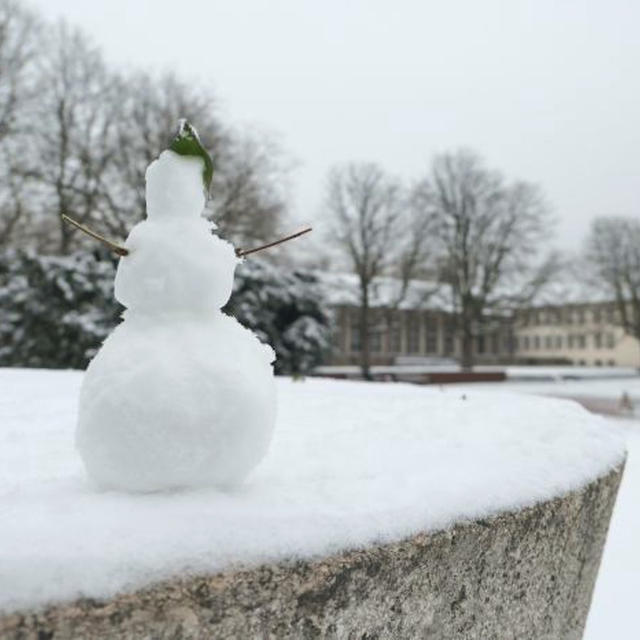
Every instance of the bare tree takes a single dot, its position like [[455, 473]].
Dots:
[[148, 110], [489, 233], [373, 227], [76, 138], [249, 189], [73, 141], [613, 255], [246, 200], [19, 30]]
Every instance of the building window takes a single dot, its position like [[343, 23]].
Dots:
[[495, 343], [525, 343], [597, 340], [548, 342], [580, 316], [375, 340], [431, 335], [568, 316], [610, 341], [394, 333], [510, 343], [570, 341], [480, 344], [449, 342], [582, 341], [413, 334], [597, 315], [536, 342], [395, 336], [355, 338], [558, 342]]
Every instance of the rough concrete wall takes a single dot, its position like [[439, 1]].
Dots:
[[520, 575]]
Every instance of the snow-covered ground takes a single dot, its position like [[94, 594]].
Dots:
[[520, 373], [614, 609], [351, 463], [609, 388]]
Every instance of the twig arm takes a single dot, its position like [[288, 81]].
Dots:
[[241, 253], [116, 248], [121, 251]]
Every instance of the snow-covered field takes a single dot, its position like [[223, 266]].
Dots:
[[351, 463], [614, 609], [538, 373], [608, 388]]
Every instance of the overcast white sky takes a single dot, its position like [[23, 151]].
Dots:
[[546, 90]]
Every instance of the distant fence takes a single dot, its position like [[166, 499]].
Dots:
[[434, 377]]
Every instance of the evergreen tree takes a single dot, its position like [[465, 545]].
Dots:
[[285, 308], [57, 310]]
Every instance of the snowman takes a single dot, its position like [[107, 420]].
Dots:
[[180, 394]]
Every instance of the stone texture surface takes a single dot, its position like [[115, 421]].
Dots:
[[524, 575]]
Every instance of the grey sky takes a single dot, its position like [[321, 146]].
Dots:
[[547, 91]]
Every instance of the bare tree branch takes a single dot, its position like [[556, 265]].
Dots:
[[116, 248], [489, 233], [612, 256], [379, 232], [241, 253]]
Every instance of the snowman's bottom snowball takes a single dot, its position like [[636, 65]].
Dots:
[[178, 402]]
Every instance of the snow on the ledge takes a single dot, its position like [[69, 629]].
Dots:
[[351, 463]]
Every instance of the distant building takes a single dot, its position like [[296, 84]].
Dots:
[[576, 333], [417, 326], [420, 327]]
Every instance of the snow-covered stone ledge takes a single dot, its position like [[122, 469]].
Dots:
[[384, 511], [523, 574]]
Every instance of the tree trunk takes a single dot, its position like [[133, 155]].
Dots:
[[365, 352], [466, 356], [65, 238], [466, 360]]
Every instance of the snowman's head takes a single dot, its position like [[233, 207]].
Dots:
[[174, 186]]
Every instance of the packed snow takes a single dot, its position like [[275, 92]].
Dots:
[[350, 464], [179, 395]]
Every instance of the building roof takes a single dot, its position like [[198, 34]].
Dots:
[[343, 289], [569, 290]]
